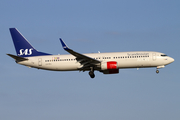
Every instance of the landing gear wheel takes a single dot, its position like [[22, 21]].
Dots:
[[91, 72], [92, 75], [157, 71]]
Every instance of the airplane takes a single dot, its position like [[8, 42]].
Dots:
[[107, 63]]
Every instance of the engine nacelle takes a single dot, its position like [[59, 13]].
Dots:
[[113, 71], [110, 67]]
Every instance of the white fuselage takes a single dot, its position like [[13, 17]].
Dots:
[[107, 63], [136, 59]]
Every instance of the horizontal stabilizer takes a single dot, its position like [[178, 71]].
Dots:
[[17, 58]]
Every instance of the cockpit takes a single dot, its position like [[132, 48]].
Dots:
[[163, 55]]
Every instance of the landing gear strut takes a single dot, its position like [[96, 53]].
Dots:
[[157, 71], [91, 73]]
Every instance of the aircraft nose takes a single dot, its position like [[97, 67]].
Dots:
[[171, 60]]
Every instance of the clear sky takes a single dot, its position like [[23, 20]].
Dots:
[[89, 27]]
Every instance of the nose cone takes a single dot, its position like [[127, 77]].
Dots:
[[171, 60], [168, 60]]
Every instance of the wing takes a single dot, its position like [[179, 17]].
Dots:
[[84, 60]]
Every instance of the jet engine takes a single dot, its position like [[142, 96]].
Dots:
[[110, 67]]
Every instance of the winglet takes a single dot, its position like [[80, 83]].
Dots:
[[64, 45]]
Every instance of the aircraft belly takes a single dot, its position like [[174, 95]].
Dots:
[[68, 67], [64, 66]]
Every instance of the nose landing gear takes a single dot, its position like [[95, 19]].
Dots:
[[157, 71]]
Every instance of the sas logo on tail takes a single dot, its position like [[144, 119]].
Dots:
[[25, 51]]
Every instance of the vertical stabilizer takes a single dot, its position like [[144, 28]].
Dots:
[[22, 46]]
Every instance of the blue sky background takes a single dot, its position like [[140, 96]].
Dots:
[[89, 27]]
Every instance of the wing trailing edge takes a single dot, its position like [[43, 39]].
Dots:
[[84, 60]]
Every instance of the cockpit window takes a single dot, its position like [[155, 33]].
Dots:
[[163, 55]]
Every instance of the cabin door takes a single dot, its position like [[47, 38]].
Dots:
[[154, 56], [40, 61]]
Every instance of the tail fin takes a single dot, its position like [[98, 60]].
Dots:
[[22, 46]]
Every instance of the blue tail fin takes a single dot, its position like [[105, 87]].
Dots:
[[22, 46]]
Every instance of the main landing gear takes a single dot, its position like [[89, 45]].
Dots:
[[157, 71], [91, 72]]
